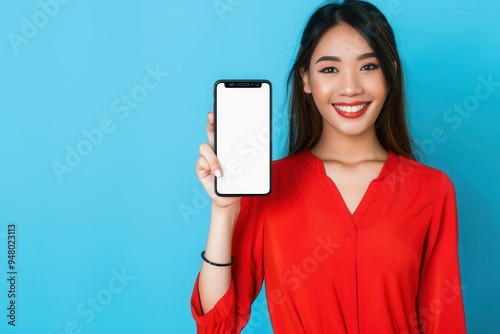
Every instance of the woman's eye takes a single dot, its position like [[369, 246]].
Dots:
[[329, 70], [370, 67]]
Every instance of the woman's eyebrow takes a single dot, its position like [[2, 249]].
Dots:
[[335, 58]]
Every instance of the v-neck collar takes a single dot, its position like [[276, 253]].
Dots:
[[375, 187]]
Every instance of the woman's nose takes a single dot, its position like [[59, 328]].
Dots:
[[350, 85]]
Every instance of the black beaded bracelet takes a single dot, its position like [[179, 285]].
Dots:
[[216, 264]]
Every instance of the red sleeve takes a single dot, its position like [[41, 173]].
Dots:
[[232, 311], [439, 305]]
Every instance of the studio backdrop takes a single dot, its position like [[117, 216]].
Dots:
[[103, 106]]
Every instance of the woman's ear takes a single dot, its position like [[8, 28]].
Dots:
[[305, 81]]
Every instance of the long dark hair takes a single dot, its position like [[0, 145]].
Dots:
[[306, 121]]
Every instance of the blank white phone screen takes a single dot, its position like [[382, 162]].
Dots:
[[243, 137]]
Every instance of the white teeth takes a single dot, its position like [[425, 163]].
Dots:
[[351, 109]]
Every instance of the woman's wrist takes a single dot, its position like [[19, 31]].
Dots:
[[225, 213]]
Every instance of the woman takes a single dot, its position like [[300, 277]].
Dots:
[[356, 236]]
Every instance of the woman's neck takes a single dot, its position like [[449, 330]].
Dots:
[[336, 146]]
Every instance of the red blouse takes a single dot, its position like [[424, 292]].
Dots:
[[390, 267]]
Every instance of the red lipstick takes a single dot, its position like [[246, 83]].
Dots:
[[351, 110]]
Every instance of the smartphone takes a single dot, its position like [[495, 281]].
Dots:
[[243, 110]]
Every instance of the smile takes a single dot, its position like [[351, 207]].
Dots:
[[351, 110]]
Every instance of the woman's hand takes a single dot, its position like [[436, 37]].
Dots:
[[208, 166]]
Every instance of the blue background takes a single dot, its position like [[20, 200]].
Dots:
[[133, 207]]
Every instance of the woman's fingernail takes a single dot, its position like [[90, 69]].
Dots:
[[217, 173]]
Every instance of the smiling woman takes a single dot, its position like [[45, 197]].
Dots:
[[371, 39], [356, 237]]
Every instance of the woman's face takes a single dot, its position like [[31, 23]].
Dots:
[[346, 82]]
